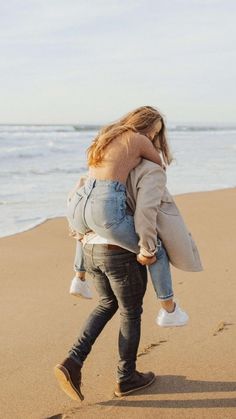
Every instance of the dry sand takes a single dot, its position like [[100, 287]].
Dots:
[[195, 365]]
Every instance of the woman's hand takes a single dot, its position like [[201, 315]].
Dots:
[[75, 234], [146, 260]]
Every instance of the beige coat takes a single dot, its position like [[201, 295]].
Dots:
[[156, 214]]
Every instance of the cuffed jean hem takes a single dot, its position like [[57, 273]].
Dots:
[[169, 297], [79, 270]]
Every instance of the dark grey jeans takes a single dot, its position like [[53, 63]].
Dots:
[[121, 283]]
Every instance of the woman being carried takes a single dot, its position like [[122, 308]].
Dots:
[[100, 205]]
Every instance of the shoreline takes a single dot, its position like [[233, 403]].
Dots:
[[64, 216]]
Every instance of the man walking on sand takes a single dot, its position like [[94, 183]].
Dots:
[[121, 284]]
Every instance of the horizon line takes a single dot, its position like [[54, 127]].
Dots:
[[179, 123]]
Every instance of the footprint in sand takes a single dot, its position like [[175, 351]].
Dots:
[[148, 348], [67, 415], [220, 327]]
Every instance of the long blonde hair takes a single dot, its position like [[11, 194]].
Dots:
[[140, 120]]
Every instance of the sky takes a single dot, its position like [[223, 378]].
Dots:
[[91, 61]]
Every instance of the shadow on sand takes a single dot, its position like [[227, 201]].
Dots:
[[177, 384], [166, 384]]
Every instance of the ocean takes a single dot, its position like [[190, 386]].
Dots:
[[41, 163]]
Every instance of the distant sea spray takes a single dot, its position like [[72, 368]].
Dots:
[[41, 163]]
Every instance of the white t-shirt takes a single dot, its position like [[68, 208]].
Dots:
[[93, 238]]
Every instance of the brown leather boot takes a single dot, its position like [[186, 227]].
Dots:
[[136, 382], [68, 375]]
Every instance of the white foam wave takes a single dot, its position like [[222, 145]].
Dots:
[[21, 229]]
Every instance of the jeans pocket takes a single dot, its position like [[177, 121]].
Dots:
[[127, 281], [105, 211], [118, 274]]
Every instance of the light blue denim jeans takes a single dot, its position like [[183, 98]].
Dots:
[[79, 258], [100, 206]]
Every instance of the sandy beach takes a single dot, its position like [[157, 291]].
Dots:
[[195, 365]]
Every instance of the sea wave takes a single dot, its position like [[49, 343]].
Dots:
[[43, 172], [21, 152], [19, 155], [87, 127], [57, 170], [49, 129], [6, 129], [199, 128], [36, 166], [29, 226]]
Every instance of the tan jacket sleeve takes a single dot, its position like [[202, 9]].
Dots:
[[145, 187]]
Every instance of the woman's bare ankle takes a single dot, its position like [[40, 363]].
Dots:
[[80, 275], [168, 305]]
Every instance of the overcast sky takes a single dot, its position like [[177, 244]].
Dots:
[[91, 61]]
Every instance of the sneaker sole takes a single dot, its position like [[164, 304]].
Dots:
[[135, 389], [64, 380], [80, 296], [173, 325]]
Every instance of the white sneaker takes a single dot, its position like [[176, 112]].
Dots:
[[80, 288], [177, 318]]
